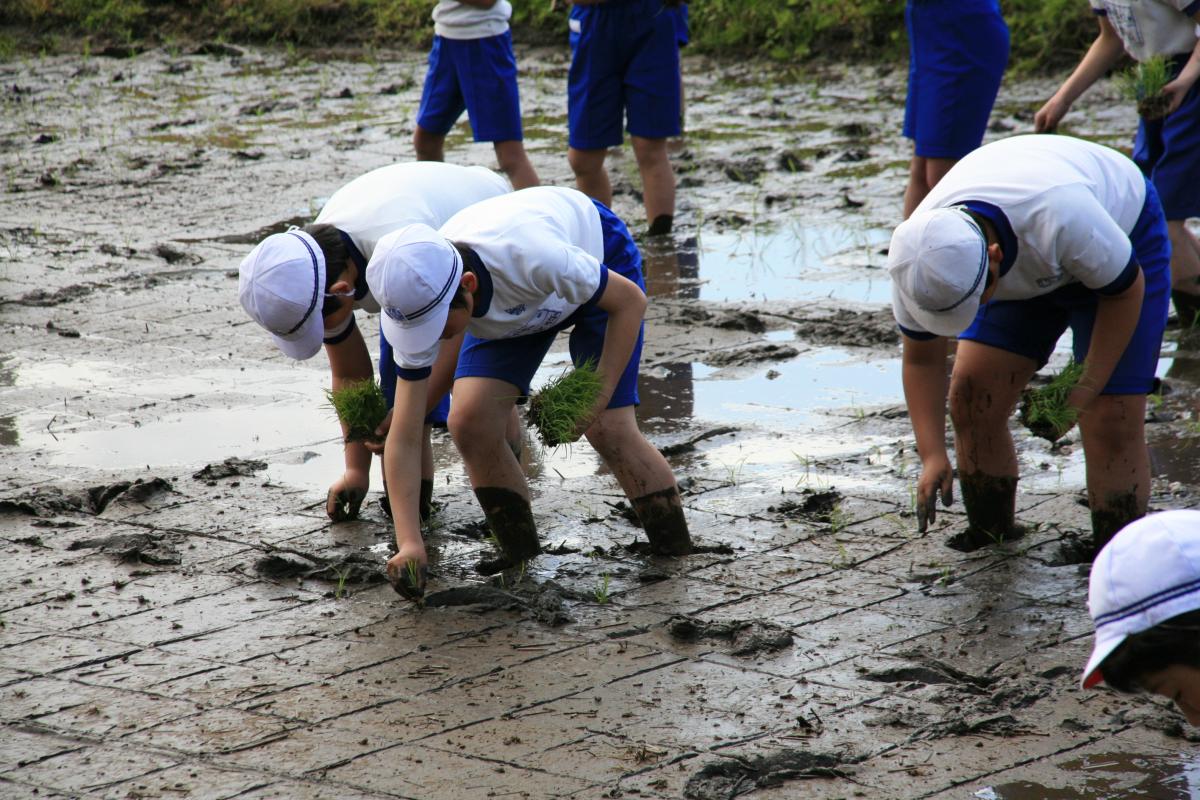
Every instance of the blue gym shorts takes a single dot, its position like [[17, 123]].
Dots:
[[1168, 151], [625, 64], [680, 13], [479, 75], [958, 50], [516, 360], [1032, 327], [387, 382]]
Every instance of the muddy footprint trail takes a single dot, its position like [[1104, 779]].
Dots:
[[180, 617]]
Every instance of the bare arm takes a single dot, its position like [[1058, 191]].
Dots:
[[626, 307], [1102, 56], [923, 371], [349, 362], [402, 470], [1116, 318]]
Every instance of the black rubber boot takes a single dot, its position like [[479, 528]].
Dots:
[[425, 503], [1187, 308], [661, 225], [661, 515], [511, 521], [1119, 509], [991, 503]]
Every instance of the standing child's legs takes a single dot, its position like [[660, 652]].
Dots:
[[429, 146], [591, 177], [645, 477], [514, 163], [923, 174], [658, 182], [1185, 273], [984, 390]]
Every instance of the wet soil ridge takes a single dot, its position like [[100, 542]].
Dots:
[[745, 637], [41, 298], [229, 468], [689, 444], [544, 602], [840, 326], [928, 671], [155, 549], [814, 505], [52, 501], [751, 354], [345, 568], [724, 780]]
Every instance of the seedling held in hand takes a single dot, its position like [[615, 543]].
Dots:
[[564, 403], [361, 407]]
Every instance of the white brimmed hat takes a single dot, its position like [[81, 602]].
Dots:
[[413, 273], [938, 263], [281, 285], [1147, 574]]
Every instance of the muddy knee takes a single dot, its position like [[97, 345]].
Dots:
[[661, 515]]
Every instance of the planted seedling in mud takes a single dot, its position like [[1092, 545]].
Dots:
[[342, 575], [360, 406], [563, 403], [1045, 411], [601, 591], [1144, 85]]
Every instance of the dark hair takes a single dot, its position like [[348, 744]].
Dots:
[[1175, 641], [459, 300], [329, 239]]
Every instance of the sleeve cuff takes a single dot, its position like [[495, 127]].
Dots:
[[1124, 280], [1192, 8], [419, 374], [920, 336], [595, 298], [342, 335]]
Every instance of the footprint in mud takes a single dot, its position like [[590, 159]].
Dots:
[[745, 637]]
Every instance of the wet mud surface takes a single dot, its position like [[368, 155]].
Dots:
[[181, 619]]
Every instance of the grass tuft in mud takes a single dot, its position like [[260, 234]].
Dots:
[[563, 403], [1045, 412], [1143, 83], [360, 406]]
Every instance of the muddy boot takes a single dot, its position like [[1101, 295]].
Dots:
[[1187, 308], [661, 225], [511, 521], [661, 515], [991, 503], [1119, 509]]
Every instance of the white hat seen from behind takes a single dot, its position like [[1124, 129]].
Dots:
[[938, 263], [281, 284], [413, 273]]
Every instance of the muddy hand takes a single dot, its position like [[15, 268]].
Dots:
[[936, 479], [376, 447], [344, 501], [407, 576]]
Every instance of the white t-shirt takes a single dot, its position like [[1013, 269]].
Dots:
[[455, 20], [1071, 204], [373, 205], [543, 250], [1151, 27]]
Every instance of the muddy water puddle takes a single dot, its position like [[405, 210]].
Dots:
[[1111, 776]]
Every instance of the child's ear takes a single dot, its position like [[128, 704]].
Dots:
[[469, 282], [341, 287]]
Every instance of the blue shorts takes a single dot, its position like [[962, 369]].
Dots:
[[625, 64], [387, 382], [516, 360], [680, 14], [479, 75], [1032, 327], [1168, 151], [958, 50]]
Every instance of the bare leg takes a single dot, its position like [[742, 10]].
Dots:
[[515, 164], [923, 175], [429, 146], [658, 182], [1185, 272], [479, 416], [645, 477], [590, 176], [1118, 462], [984, 389]]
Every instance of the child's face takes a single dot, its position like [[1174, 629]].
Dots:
[[456, 322], [1181, 684]]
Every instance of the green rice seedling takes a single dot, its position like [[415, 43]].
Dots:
[[342, 574], [1143, 84], [562, 404], [360, 406], [1045, 411], [601, 591]]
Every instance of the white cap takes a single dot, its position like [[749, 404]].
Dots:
[[413, 273], [938, 261], [1147, 574], [281, 285]]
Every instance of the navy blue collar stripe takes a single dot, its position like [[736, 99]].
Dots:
[[435, 302], [312, 304], [1148, 602], [983, 263]]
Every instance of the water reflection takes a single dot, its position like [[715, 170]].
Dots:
[[672, 270], [1111, 776]]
